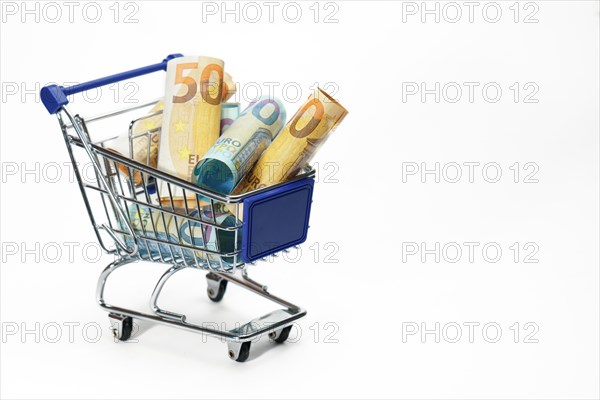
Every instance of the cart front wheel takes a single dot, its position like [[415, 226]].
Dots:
[[239, 351]]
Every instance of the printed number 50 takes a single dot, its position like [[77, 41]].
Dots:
[[192, 85]]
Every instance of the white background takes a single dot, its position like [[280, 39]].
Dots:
[[351, 342]]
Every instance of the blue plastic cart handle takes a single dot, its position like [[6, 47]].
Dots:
[[54, 97]]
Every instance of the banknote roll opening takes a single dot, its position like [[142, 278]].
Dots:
[[215, 175]]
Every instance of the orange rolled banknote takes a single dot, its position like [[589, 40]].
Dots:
[[296, 144]]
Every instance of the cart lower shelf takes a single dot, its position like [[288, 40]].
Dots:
[[277, 324]]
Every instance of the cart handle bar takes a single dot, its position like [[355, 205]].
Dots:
[[54, 97]]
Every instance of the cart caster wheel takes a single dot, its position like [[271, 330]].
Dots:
[[121, 326], [281, 335], [216, 287], [239, 351]]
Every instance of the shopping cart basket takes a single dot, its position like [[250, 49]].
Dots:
[[134, 221]]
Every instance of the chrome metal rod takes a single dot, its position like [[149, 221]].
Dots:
[[89, 148], [104, 277], [156, 292], [253, 287]]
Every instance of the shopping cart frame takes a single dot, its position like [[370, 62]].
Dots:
[[129, 242]]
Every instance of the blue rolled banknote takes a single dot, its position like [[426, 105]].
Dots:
[[209, 237], [178, 230], [236, 151]]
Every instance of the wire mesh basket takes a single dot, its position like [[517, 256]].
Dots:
[[200, 229]]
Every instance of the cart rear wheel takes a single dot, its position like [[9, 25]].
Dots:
[[121, 326], [216, 287], [282, 335], [240, 354]]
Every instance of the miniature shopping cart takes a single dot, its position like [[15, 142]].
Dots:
[[178, 233]]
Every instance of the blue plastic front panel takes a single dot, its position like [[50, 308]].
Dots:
[[276, 219]]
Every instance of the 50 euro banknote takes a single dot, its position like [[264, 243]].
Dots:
[[191, 117]]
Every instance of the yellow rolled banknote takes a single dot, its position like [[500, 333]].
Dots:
[[296, 144], [192, 113]]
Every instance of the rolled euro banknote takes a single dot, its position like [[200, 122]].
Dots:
[[192, 115], [236, 151], [296, 144], [149, 223], [210, 237]]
